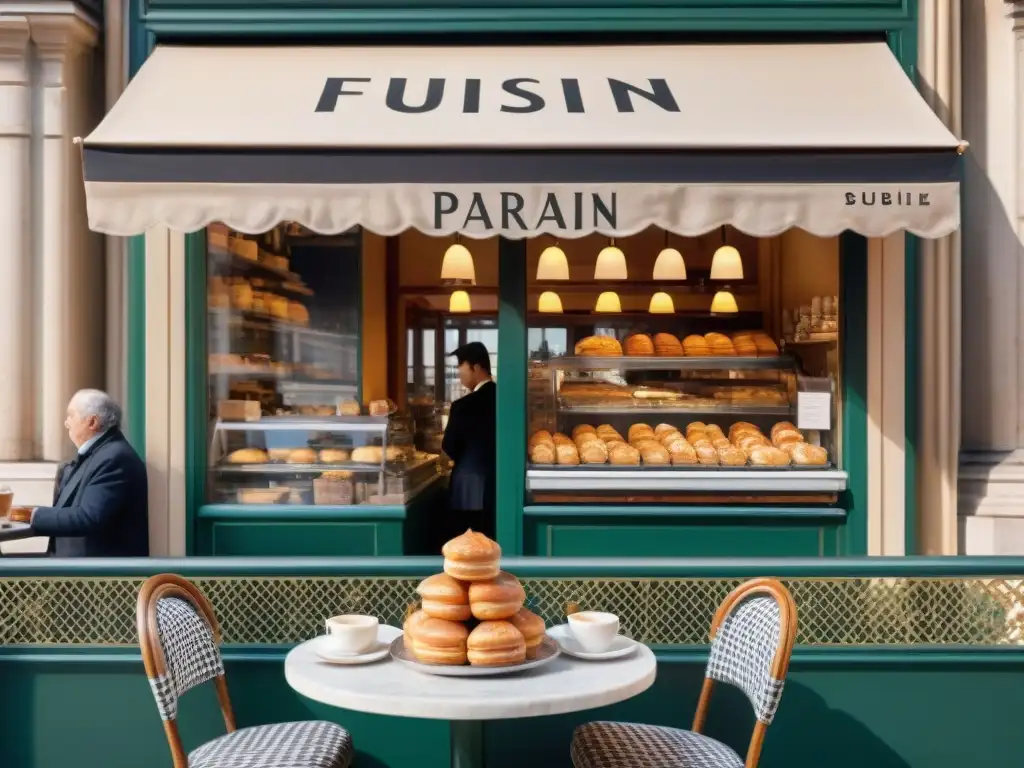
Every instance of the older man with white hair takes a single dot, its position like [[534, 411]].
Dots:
[[100, 500]]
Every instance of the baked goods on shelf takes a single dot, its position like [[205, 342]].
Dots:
[[639, 345], [247, 456], [497, 598], [382, 407], [444, 597], [720, 345], [769, 456], [696, 345], [622, 454], [302, 456], [594, 390], [567, 454], [667, 345], [349, 408], [471, 557], [333, 455], [273, 495], [805, 454], [495, 643], [598, 346]]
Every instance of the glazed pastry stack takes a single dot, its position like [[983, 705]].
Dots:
[[473, 612]]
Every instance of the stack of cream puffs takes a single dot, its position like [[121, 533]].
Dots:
[[473, 612]]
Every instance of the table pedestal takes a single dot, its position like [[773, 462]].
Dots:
[[467, 743]]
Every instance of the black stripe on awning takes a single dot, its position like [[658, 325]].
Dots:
[[424, 166]]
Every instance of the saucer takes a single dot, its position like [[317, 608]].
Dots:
[[621, 645], [380, 650]]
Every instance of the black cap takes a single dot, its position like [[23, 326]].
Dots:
[[474, 353]]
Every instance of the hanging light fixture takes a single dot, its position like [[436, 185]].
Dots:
[[552, 265], [459, 304], [726, 264], [661, 304], [669, 265], [724, 303], [549, 302], [457, 266], [608, 303], [611, 263]]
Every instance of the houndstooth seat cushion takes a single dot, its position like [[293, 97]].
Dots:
[[310, 744], [631, 745]]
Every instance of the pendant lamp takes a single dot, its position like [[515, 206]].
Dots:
[[726, 264], [459, 303], [724, 303], [669, 265], [457, 265], [661, 304], [552, 265], [611, 263], [608, 303], [549, 302]]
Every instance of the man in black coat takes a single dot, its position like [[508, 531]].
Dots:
[[469, 441], [101, 499]]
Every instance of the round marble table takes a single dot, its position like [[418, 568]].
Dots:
[[391, 688]]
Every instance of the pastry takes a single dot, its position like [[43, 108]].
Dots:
[[497, 598], [741, 426], [594, 452], [786, 436], [696, 346], [382, 407], [653, 453], [607, 429], [444, 598], [696, 426], [436, 641], [247, 456], [368, 454], [720, 442], [681, 452], [663, 429], [667, 437], [731, 456], [750, 443], [640, 345], [767, 456], [707, 454], [566, 454], [714, 431], [350, 408], [639, 430], [302, 456], [580, 429], [805, 454], [783, 426], [542, 436], [531, 626], [333, 455], [560, 439], [471, 557], [598, 346], [667, 345], [543, 453], [495, 643], [624, 455]]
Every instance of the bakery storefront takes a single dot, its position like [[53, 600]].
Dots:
[[672, 273]]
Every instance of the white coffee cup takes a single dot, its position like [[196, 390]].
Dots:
[[351, 634], [595, 631]]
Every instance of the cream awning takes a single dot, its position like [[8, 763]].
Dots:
[[519, 141]]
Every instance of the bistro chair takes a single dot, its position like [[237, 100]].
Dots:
[[180, 642], [752, 638]]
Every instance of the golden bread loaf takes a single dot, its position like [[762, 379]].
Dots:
[[639, 430], [543, 453], [667, 345], [599, 346], [653, 452], [707, 454], [624, 455], [696, 346], [805, 454], [580, 429], [767, 456], [639, 345], [333, 455], [247, 456], [497, 598], [567, 454], [680, 451], [731, 456]]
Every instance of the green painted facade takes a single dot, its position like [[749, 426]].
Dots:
[[561, 531]]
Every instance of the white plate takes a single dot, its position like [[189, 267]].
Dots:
[[621, 645], [548, 651], [385, 635]]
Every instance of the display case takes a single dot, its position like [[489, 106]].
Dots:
[[320, 461], [730, 402]]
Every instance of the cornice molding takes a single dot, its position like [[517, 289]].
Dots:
[[89, 11], [14, 36], [59, 36]]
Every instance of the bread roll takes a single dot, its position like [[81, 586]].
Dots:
[[436, 641], [640, 345], [696, 346], [696, 426], [495, 644], [720, 345], [680, 451], [561, 439], [741, 426], [594, 452], [382, 407], [744, 345], [247, 456], [599, 346], [750, 443], [585, 440], [368, 454], [707, 454], [350, 408], [765, 346], [769, 457], [667, 345], [543, 453], [636, 431], [580, 429], [567, 454], [668, 437], [333, 455], [471, 557], [731, 456], [531, 626], [279, 454], [608, 432], [653, 453], [663, 429], [783, 426], [497, 598], [805, 454], [624, 455], [714, 431], [541, 436], [786, 436], [444, 598]]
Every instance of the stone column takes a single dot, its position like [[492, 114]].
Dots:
[[16, 321], [73, 286]]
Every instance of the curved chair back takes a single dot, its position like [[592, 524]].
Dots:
[[180, 639], [752, 637]]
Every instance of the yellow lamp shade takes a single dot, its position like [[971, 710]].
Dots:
[[552, 265], [724, 303], [726, 264], [457, 265], [549, 302], [669, 265], [661, 304], [459, 303], [608, 302], [611, 264]]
